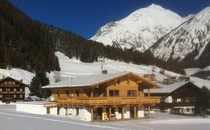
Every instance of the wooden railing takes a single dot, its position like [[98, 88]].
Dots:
[[12, 92], [108, 101], [174, 104]]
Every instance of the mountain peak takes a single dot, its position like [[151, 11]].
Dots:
[[189, 40], [154, 6], [140, 30]]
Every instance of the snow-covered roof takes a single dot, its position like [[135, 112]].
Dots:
[[91, 80], [19, 81], [168, 88], [85, 80]]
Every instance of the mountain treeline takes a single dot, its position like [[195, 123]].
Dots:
[[23, 42], [30, 45]]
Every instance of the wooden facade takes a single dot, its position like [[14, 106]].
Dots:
[[180, 100], [104, 97], [11, 90]]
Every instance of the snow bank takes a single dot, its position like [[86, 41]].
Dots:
[[182, 121], [32, 107]]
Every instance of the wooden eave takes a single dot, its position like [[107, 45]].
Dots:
[[2, 80]]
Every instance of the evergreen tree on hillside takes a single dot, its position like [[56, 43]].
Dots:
[[37, 82]]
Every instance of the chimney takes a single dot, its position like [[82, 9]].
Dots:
[[104, 72]]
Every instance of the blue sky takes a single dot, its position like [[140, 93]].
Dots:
[[85, 17]]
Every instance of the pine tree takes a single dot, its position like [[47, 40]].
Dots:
[[39, 80]]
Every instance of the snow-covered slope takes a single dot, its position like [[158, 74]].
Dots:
[[192, 36], [73, 67], [139, 30]]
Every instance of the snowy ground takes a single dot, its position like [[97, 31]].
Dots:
[[12, 120]]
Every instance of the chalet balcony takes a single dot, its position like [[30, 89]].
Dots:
[[12, 92], [96, 101], [175, 104]]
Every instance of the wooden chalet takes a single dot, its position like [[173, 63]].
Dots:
[[177, 98], [102, 97], [11, 90]]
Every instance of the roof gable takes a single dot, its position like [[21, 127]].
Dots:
[[12, 79], [93, 80], [171, 87]]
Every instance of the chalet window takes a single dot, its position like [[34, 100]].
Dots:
[[187, 100], [9, 82], [14, 89], [77, 93], [105, 93], [21, 96], [7, 89], [13, 82], [0, 89], [0, 96], [162, 100], [58, 93], [114, 93], [96, 92], [131, 93], [5, 82], [14, 96], [120, 110], [21, 89], [67, 93]]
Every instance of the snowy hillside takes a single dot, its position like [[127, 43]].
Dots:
[[193, 36], [73, 67], [139, 30]]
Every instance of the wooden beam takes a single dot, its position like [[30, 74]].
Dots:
[[91, 92], [91, 111], [110, 113], [139, 81], [148, 92], [123, 111], [149, 114], [134, 111]]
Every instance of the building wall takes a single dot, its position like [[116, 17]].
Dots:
[[103, 98], [140, 111], [127, 112], [121, 84], [53, 110], [11, 90]]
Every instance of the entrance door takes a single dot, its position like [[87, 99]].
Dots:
[[48, 110], [77, 111], [98, 113]]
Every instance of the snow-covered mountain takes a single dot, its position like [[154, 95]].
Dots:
[[139, 30], [191, 37]]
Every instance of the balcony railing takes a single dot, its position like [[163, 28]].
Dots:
[[93, 101], [175, 104], [12, 92]]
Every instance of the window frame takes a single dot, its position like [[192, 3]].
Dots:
[[114, 93], [131, 93]]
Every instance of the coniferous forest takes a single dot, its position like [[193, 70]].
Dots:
[[30, 45]]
